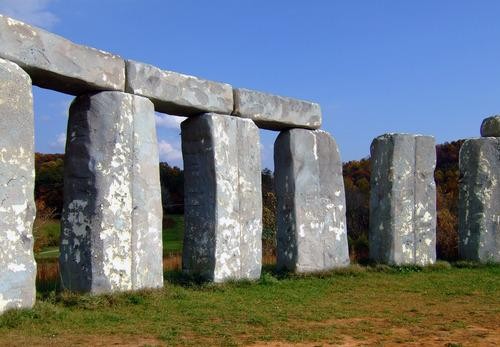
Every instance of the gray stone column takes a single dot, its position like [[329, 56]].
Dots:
[[403, 199], [479, 197], [312, 234], [223, 199], [111, 224], [17, 177]]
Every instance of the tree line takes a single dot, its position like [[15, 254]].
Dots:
[[49, 197]]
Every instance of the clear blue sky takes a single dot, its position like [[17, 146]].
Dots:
[[426, 66]]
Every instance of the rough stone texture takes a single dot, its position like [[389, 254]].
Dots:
[[276, 112], [479, 201], [491, 127], [223, 201], [312, 234], [17, 177], [56, 63], [178, 94], [403, 200], [111, 224]]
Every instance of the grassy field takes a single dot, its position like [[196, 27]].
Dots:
[[441, 306]]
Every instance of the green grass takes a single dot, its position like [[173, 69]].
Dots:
[[172, 238], [48, 253], [371, 305]]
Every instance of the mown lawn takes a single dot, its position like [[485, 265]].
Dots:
[[442, 306]]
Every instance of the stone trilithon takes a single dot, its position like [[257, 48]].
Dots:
[[17, 178], [479, 198], [312, 234], [403, 200], [111, 223], [223, 199]]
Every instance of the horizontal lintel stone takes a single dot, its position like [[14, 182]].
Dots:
[[56, 63], [276, 112], [176, 93]]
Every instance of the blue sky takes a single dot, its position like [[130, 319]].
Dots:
[[425, 66]]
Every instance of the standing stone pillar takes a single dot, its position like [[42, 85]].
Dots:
[[479, 197], [403, 199], [111, 224], [223, 199], [17, 177], [311, 215]]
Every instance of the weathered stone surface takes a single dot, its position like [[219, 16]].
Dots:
[[178, 94], [56, 63], [479, 200], [223, 202], [17, 177], [491, 127], [111, 225], [312, 234], [147, 249], [276, 112], [403, 199]]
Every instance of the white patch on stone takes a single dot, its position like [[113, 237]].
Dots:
[[16, 267], [427, 217]]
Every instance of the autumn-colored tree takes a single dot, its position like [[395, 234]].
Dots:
[[447, 177], [49, 174], [172, 189]]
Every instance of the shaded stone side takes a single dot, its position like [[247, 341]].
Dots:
[[56, 63], [178, 94], [403, 199], [223, 202], [479, 200], [17, 177], [111, 223], [312, 234], [276, 112]]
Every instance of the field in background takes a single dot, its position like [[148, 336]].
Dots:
[[437, 306], [47, 257]]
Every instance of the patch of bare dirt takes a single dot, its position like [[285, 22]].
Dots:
[[401, 336], [87, 340]]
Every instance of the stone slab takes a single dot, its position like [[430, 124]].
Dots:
[[147, 215], [223, 199], [178, 94], [276, 112], [491, 127], [17, 178], [111, 223], [479, 200], [311, 215], [59, 64], [403, 200]]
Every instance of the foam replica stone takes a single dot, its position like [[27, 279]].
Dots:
[[178, 94], [491, 127], [312, 234], [403, 200], [223, 201], [276, 112], [479, 200], [17, 177], [56, 63], [111, 224]]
